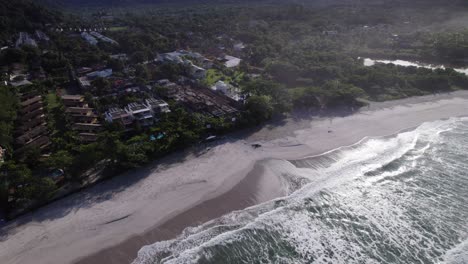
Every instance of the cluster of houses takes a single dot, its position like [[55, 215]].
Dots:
[[94, 37], [20, 76], [86, 75], [145, 113], [197, 63], [31, 129], [85, 120], [201, 100], [31, 40]]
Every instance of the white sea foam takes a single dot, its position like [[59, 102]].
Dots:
[[340, 215], [371, 62], [457, 255]]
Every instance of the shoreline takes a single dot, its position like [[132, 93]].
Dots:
[[250, 191], [145, 204]]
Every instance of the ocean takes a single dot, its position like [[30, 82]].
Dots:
[[395, 199]]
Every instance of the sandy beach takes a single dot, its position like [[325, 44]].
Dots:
[[113, 219]]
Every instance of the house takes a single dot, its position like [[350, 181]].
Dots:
[[84, 82], [2, 154], [166, 83], [20, 83], [90, 39], [87, 127], [197, 72], [197, 58], [173, 57], [31, 130], [141, 113], [73, 100], [118, 115], [85, 121], [207, 63], [32, 134], [228, 90], [41, 36], [221, 86], [203, 100], [239, 47], [82, 114], [25, 39], [185, 57], [84, 70], [231, 62], [99, 74], [158, 106], [31, 124], [88, 137], [120, 56], [103, 38]]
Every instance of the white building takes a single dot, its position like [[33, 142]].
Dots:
[[2, 154], [118, 115], [103, 38], [158, 106], [174, 57], [25, 39], [141, 113], [100, 74], [228, 90], [41, 35], [197, 72], [90, 39], [84, 82], [239, 46], [231, 61], [120, 56]]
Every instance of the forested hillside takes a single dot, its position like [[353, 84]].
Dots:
[[23, 15]]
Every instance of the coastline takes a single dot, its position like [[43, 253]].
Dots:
[[152, 204], [254, 189]]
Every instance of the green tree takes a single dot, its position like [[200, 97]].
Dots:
[[10, 56], [116, 65], [283, 72], [102, 85], [259, 108], [279, 97], [61, 159], [141, 71], [138, 57]]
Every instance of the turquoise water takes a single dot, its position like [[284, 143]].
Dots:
[[397, 199]]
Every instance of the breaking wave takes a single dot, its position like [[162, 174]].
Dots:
[[395, 199]]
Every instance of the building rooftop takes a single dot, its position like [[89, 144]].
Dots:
[[231, 61], [137, 108], [31, 101], [2, 154], [20, 83], [73, 97], [79, 110], [90, 39], [103, 38]]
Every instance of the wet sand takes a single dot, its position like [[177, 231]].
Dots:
[[255, 188], [112, 220]]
